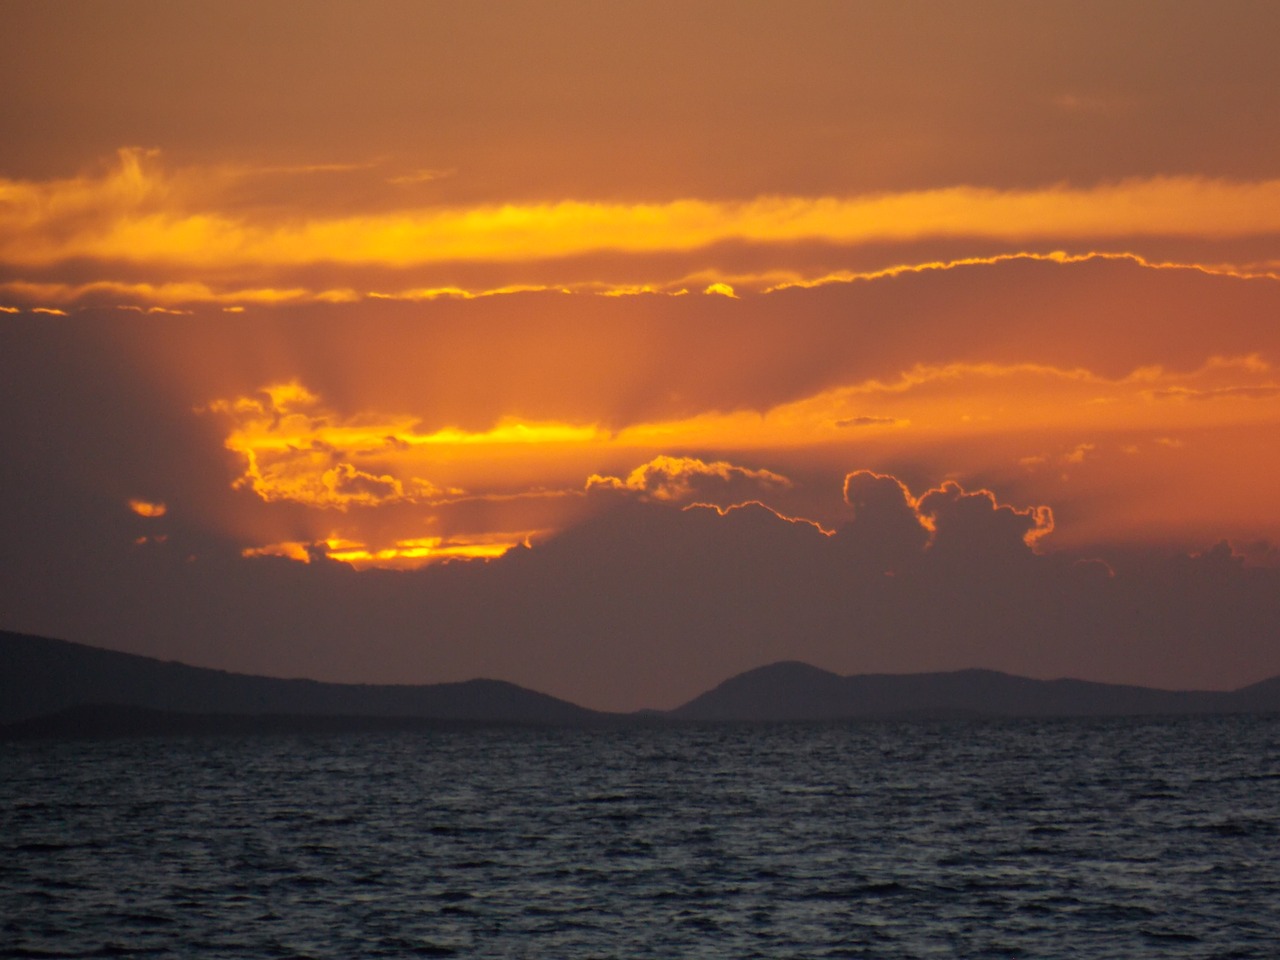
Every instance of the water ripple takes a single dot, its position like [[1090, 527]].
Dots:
[[1104, 839]]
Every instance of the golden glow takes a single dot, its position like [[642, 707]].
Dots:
[[179, 229], [417, 552], [168, 293], [138, 213], [163, 297], [408, 554], [1055, 256], [760, 282], [290, 549], [146, 508], [971, 399], [1036, 423], [294, 449]]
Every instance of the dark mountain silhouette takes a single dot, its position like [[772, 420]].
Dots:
[[57, 688], [797, 691], [40, 676]]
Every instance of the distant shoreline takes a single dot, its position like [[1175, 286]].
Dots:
[[54, 688]]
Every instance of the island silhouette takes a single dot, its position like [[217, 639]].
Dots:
[[52, 688]]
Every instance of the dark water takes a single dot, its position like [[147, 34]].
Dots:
[[1120, 838]]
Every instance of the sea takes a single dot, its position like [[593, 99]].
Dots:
[[1125, 838]]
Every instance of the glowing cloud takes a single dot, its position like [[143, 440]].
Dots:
[[963, 522], [392, 474], [684, 478], [409, 554], [138, 213], [147, 508], [180, 228], [294, 449], [894, 529]]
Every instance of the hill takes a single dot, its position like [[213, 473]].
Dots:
[[57, 688], [797, 691], [40, 676]]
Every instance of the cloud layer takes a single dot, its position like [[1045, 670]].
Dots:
[[647, 603], [139, 236]]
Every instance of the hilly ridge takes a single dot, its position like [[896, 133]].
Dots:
[[58, 688], [40, 676], [798, 691]]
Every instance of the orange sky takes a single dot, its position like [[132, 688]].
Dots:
[[427, 309]]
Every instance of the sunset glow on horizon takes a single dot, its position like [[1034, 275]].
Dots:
[[438, 342]]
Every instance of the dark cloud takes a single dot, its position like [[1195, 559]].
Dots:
[[974, 527], [647, 603], [886, 532]]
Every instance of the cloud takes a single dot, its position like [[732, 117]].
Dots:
[[973, 526], [148, 508], [420, 176], [1081, 451], [293, 448], [226, 234], [291, 549], [866, 421], [887, 530], [682, 479], [1261, 392], [296, 285], [408, 554], [602, 385], [137, 211], [896, 531], [647, 603], [346, 485]]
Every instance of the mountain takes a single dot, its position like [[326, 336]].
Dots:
[[797, 691], [40, 677], [57, 688]]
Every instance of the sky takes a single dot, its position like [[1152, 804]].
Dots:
[[614, 349]]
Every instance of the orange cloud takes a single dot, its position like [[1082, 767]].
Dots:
[[984, 422], [726, 282], [138, 213], [289, 549], [410, 554], [147, 508], [407, 554], [183, 228], [782, 281], [681, 478], [294, 449], [928, 401]]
